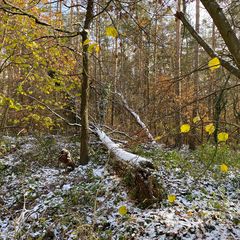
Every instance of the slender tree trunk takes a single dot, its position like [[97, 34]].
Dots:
[[71, 15], [192, 142], [213, 74], [84, 153], [155, 68], [177, 74], [115, 80], [196, 58]]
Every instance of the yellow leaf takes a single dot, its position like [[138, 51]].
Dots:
[[111, 32], [196, 119], [97, 48], [210, 128], [185, 128], [144, 22], [214, 63], [222, 137], [189, 213], [91, 47], [171, 198], [157, 138], [122, 210], [224, 168], [86, 42]]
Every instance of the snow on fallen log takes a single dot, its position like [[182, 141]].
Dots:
[[136, 117], [123, 155], [136, 171]]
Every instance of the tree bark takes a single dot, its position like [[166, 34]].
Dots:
[[225, 29], [196, 58], [177, 75], [234, 70], [192, 143], [84, 152]]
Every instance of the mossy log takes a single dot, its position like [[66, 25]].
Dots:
[[137, 173]]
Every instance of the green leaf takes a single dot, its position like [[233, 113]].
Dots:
[[91, 47], [196, 119]]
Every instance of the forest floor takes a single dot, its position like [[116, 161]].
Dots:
[[39, 200]]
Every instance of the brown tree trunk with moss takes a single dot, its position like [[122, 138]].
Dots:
[[84, 152]]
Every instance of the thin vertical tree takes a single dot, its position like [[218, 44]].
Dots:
[[178, 73], [196, 74], [196, 57], [84, 151]]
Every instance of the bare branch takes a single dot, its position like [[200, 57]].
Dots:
[[52, 111], [232, 69]]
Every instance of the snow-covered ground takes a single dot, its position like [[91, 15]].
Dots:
[[40, 201]]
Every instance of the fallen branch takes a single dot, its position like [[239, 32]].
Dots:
[[136, 117], [121, 154]]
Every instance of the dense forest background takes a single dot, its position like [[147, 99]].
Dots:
[[136, 48]]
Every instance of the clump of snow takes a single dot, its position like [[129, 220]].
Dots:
[[66, 187]]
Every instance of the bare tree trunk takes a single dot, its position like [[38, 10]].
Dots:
[[192, 143], [177, 74], [115, 80], [84, 153], [230, 67], [155, 68], [71, 15], [213, 74], [196, 58], [224, 27]]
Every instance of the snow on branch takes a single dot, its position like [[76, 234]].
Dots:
[[121, 154], [136, 117]]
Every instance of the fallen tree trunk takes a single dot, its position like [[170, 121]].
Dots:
[[136, 171], [137, 118]]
